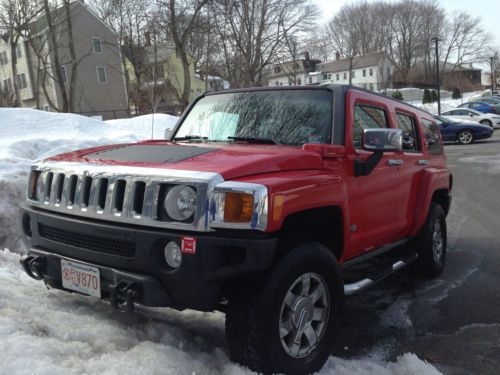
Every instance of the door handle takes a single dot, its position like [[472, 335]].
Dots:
[[395, 162], [422, 162]]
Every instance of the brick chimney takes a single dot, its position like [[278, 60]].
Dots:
[[337, 56], [147, 39]]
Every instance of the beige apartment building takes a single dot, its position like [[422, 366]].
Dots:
[[99, 84]]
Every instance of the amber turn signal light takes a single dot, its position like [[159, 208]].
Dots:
[[238, 207]]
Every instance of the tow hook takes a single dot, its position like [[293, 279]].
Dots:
[[124, 295], [33, 266]]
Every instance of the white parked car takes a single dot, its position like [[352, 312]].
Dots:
[[489, 119]]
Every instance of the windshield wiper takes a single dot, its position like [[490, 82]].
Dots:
[[190, 138], [265, 141]]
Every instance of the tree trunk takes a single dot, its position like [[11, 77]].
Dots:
[[57, 63], [74, 63]]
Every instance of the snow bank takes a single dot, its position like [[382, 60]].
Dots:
[[448, 104], [53, 332], [28, 134], [144, 126]]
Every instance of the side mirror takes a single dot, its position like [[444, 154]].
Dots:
[[383, 140]]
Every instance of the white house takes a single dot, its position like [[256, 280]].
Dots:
[[372, 71]]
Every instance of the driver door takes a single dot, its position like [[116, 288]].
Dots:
[[375, 216]]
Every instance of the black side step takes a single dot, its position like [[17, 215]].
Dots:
[[358, 286]]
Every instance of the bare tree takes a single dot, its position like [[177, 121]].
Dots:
[[179, 22], [252, 31], [16, 15]]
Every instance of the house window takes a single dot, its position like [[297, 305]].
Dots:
[[19, 51], [353, 74], [364, 72], [299, 81], [345, 75], [3, 58], [371, 86], [101, 74], [338, 76], [290, 83], [329, 76], [277, 70], [310, 80], [277, 83], [21, 81], [371, 71], [96, 43], [325, 76], [7, 85], [64, 76]]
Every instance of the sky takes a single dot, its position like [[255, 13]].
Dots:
[[488, 10]]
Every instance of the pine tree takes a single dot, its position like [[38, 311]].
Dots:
[[397, 95], [456, 93], [434, 96], [427, 96]]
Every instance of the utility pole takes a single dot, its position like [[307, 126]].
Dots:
[[492, 75], [436, 40]]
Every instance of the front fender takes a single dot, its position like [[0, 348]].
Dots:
[[433, 179]]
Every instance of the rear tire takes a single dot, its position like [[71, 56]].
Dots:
[[430, 244], [287, 322], [465, 137]]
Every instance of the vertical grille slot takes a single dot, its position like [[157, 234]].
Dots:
[[138, 192], [48, 186], [102, 190], [119, 193], [72, 189], [59, 187], [86, 185]]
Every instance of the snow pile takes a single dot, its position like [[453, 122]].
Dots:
[[27, 135], [53, 332], [144, 126], [448, 104]]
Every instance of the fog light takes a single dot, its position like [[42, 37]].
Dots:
[[173, 254]]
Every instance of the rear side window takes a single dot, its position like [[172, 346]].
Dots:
[[367, 117], [432, 139], [408, 125]]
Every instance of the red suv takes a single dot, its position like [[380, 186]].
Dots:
[[268, 204]]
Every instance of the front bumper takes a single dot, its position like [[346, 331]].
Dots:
[[132, 256]]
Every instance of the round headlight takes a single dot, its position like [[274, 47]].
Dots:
[[180, 202], [173, 254]]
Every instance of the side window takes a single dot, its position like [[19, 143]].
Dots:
[[367, 117], [408, 125], [432, 138]]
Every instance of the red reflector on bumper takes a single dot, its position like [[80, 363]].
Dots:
[[188, 245]]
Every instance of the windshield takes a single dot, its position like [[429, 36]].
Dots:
[[290, 117]]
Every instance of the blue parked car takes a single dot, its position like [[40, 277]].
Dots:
[[464, 132], [480, 106]]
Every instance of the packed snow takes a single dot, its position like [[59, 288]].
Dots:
[[52, 332]]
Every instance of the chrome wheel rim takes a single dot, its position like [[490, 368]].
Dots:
[[304, 315], [437, 241], [465, 137]]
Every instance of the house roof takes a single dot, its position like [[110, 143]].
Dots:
[[362, 61]]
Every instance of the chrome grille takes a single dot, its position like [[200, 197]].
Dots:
[[118, 193]]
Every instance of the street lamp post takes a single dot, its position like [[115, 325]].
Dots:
[[492, 74], [436, 40]]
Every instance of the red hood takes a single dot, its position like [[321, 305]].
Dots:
[[229, 160]]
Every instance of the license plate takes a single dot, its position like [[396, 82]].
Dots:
[[81, 278]]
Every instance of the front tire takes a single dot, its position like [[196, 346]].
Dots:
[[431, 244], [287, 322], [465, 137]]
